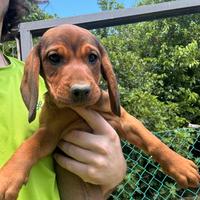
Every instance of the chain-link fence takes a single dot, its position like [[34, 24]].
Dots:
[[145, 179]]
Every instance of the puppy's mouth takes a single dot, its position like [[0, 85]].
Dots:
[[77, 95]]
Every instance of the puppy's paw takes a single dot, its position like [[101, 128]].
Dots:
[[184, 171], [11, 182]]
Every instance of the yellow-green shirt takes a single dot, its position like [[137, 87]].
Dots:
[[14, 129]]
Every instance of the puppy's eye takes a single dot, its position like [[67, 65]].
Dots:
[[54, 58], [92, 58]]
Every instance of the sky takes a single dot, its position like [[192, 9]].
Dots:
[[68, 8]]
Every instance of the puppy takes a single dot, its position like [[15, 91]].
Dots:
[[71, 61]]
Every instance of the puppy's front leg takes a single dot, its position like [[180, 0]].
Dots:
[[184, 171], [16, 171]]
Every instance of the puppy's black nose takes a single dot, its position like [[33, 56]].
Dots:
[[80, 92]]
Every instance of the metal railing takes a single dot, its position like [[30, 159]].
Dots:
[[107, 18]]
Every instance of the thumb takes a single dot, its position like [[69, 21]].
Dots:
[[95, 121]]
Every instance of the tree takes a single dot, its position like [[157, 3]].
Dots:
[[36, 13], [157, 67]]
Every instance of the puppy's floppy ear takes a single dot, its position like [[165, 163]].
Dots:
[[29, 84], [109, 75]]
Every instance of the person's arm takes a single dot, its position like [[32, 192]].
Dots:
[[97, 158]]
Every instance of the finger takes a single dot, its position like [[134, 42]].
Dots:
[[78, 168], [95, 121], [79, 154], [86, 140]]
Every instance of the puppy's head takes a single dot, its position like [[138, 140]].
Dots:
[[71, 60]]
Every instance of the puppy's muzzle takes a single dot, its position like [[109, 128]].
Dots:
[[80, 92]]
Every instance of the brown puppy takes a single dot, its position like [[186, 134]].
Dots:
[[70, 59]]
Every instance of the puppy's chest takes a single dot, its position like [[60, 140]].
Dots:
[[56, 120]]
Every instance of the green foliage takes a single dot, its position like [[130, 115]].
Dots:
[[153, 113], [109, 5], [37, 14], [147, 2], [9, 48], [157, 68]]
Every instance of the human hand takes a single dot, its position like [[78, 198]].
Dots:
[[97, 158]]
